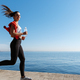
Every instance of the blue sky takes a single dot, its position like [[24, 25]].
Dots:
[[53, 25]]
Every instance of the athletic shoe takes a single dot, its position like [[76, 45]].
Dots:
[[26, 78]]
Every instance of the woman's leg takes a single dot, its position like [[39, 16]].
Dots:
[[14, 53], [22, 60], [7, 62]]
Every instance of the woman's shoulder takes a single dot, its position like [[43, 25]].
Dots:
[[12, 23]]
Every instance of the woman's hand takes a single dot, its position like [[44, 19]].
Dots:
[[25, 33], [23, 38]]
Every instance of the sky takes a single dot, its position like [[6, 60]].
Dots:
[[53, 25]]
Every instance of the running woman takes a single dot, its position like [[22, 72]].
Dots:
[[16, 49]]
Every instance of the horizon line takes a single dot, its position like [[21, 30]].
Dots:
[[44, 51]]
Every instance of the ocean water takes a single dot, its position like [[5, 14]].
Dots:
[[52, 62]]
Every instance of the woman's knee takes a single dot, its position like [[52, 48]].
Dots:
[[23, 60], [13, 62]]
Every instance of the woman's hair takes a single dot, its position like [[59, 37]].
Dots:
[[7, 12]]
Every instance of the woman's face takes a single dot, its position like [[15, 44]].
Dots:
[[17, 16]]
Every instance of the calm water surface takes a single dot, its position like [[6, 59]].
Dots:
[[52, 62]]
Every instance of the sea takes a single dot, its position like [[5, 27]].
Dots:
[[50, 62]]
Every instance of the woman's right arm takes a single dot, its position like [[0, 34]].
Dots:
[[12, 32]]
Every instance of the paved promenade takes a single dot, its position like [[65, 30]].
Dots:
[[15, 75]]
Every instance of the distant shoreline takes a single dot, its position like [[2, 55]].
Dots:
[[44, 51]]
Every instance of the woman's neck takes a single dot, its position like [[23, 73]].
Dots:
[[16, 22]]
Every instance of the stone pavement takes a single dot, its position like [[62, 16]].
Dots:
[[15, 75]]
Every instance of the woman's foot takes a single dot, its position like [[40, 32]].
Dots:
[[26, 78]]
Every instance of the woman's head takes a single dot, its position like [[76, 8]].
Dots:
[[9, 13], [16, 16]]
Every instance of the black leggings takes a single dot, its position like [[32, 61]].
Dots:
[[16, 51]]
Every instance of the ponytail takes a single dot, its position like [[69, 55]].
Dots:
[[7, 12]]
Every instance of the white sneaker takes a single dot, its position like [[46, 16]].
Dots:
[[25, 78]]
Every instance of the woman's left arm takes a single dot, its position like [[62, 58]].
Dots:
[[22, 37]]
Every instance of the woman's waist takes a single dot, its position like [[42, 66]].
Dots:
[[16, 39]]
